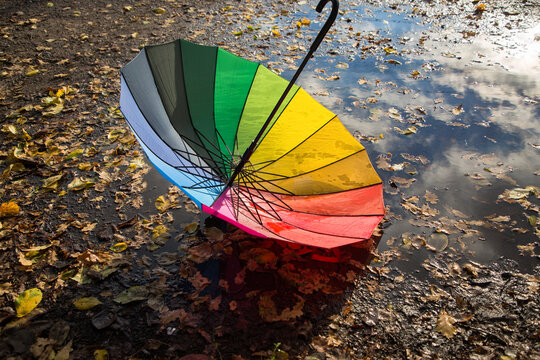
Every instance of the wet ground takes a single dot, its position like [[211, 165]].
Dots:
[[443, 96]]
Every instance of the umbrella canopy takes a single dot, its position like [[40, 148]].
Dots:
[[249, 146]]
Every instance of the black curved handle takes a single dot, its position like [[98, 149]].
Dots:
[[322, 33], [329, 22]]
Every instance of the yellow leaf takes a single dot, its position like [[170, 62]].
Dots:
[[80, 184], [51, 183], [191, 228], [162, 204], [119, 247], [160, 11], [74, 154], [32, 72], [84, 166], [445, 324], [9, 209], [101, 354], [480, 7], [27, 301], [159, 231], [86, 303], [276, 33]]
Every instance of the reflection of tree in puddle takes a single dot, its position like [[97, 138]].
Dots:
[[271, 289]]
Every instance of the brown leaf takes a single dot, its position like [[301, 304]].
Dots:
[[445, 324], [431, 197]]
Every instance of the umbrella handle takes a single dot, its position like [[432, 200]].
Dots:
[[322, 33], [329, 22]]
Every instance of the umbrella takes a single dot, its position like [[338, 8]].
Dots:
[[249, 146]]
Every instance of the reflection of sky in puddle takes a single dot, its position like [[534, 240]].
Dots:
[[498, 91]]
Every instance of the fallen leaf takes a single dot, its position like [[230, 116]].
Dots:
[[63, 353], [79, 184], [445, 324], [51, 183], [437, 242], [9, 209], [471, 270], [134, 293], [101, 354], [431, 197], [458, 109], [27, 301], [119, 247], [86, 303], [162, 204]]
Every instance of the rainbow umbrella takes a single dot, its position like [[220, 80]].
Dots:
[[249, 146]]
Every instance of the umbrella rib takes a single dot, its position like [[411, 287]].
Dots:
[[270, 182], [279, 203], [274, 195], [297, 145], [220, 175], [212, 153], [230, 161], [179, 152], [248, 208], [197, 185], [213, 145], [265, 200], [289, 208], [251, 196], [259, 221]]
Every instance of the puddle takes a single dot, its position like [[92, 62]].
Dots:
[[450, 123]]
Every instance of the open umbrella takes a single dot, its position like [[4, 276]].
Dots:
[[249, 146]]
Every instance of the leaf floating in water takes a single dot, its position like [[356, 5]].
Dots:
[[27, 301], [191, 228], [437, 242], [162, 204], [431, 197], [458, 109]]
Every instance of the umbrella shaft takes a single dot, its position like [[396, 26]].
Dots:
[[322, 33]]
